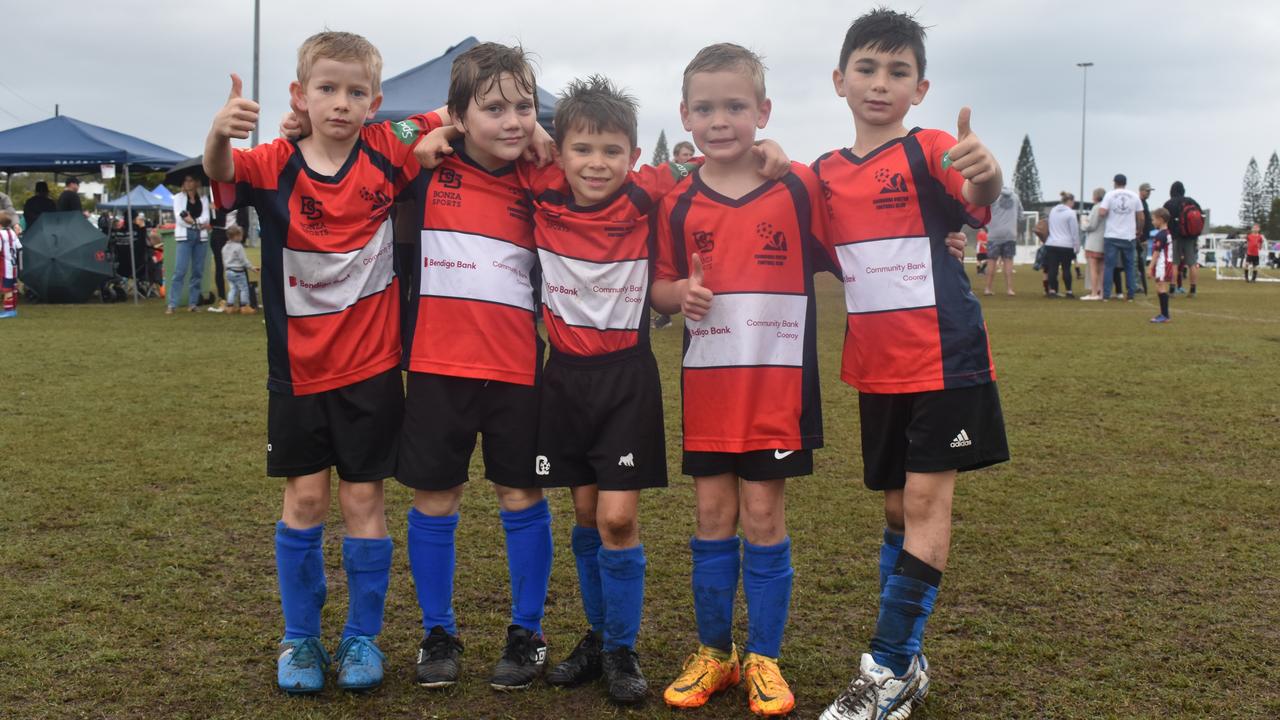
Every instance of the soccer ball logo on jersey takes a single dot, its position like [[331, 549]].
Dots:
[[775, 245], [379, 203], [895, 192]]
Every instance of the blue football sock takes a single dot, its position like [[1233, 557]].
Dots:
[[586, 547], [300, 570], [715, 582], [431, 560], [905, 606], [766, 581], [368, 565], [889, 549], [622, 579], [529, 562]]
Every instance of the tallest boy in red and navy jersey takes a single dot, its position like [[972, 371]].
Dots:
[[916, 345], [332, 336]]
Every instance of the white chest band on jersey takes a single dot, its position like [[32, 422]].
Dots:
[[892, 274], [318, 283], [604, 296], [749, 329], [475, 267]]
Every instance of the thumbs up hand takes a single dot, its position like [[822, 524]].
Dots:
[[239, 116], [697, 297], [974, 162]]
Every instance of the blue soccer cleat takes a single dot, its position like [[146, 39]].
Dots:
[[301, 666], [359, 663], [1160, 319]]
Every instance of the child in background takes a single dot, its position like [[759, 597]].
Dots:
[[1253, 252], [682, 152], [237, 266], [1162, 269], [10, 246], [982, 250]]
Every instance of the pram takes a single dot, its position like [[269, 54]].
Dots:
[[143, 262]]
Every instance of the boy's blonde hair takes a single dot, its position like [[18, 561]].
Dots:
[[723, 57], [343, 47], [235, 233]]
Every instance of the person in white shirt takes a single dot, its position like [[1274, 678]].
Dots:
[[1121, 210], [1062, 244], [191, 213], [1094, 245]]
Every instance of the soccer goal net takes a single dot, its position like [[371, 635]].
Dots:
[[1229, 271]]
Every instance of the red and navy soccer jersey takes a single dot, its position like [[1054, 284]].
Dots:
[[595, 261], [913, 324], [328, 279], [473, 314], [750, 369]]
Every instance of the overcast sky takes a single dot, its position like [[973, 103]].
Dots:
[[1179, 90]]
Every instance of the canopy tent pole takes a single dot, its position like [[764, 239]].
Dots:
[[128, 227]]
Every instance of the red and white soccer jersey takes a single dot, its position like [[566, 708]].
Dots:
[[913, 324], [9, 247], [595, 261], [1254, 244], [1162, 268], [329, 286], [473, 314], [750, 370]]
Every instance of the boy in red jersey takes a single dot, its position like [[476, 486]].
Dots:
[[333, 342], [916, 345], [1253, 251], [736, 253], [473, 353]]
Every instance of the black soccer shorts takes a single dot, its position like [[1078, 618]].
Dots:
[[443, 414], [601, 423], [355, 428], [954, 429]]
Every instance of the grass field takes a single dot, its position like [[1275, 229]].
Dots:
[[1125, 564]]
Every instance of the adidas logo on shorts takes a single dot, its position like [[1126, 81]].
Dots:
[[961, 440]]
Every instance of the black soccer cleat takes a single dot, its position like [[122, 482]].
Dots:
[[627, 685], [439, 659], [522, 660], [582, 665]]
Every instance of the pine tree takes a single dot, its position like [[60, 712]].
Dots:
[[1272, 227], [1271, 181], [661, 155], [1251, 207], [1026, 178]]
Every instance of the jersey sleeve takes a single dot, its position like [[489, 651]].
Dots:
[[256, 169], [396, 141], [668, 265], [959, 210], [657, 181], [818, 243], [539, 179]]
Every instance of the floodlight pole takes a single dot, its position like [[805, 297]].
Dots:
[[1084, 99]]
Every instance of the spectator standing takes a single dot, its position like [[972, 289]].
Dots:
[[1094, 245], [1062, 244], [1148, 231], [238, 267], [191, 240], [38, 204], [1121, 211], [683, 152], [69, 200], [10, 248], [1186, 251], [1002, 237]]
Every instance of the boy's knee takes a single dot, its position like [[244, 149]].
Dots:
[[306, 508], [514, 499], [618, 528], [717, 522], [438, 503], [585, 516]]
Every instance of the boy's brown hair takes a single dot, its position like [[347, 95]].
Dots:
[[235, 233], [683, 144], [595, 105], [478, 69], [343, 47], [723, 57], [1162, 214], [884, 30]]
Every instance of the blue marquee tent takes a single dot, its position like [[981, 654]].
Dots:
[[139, 198], [426, 87], [64, 144], [163, 193]]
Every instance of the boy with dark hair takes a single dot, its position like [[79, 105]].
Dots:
[[333, 341], [473, 354], [736, 253], [916, 345]]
